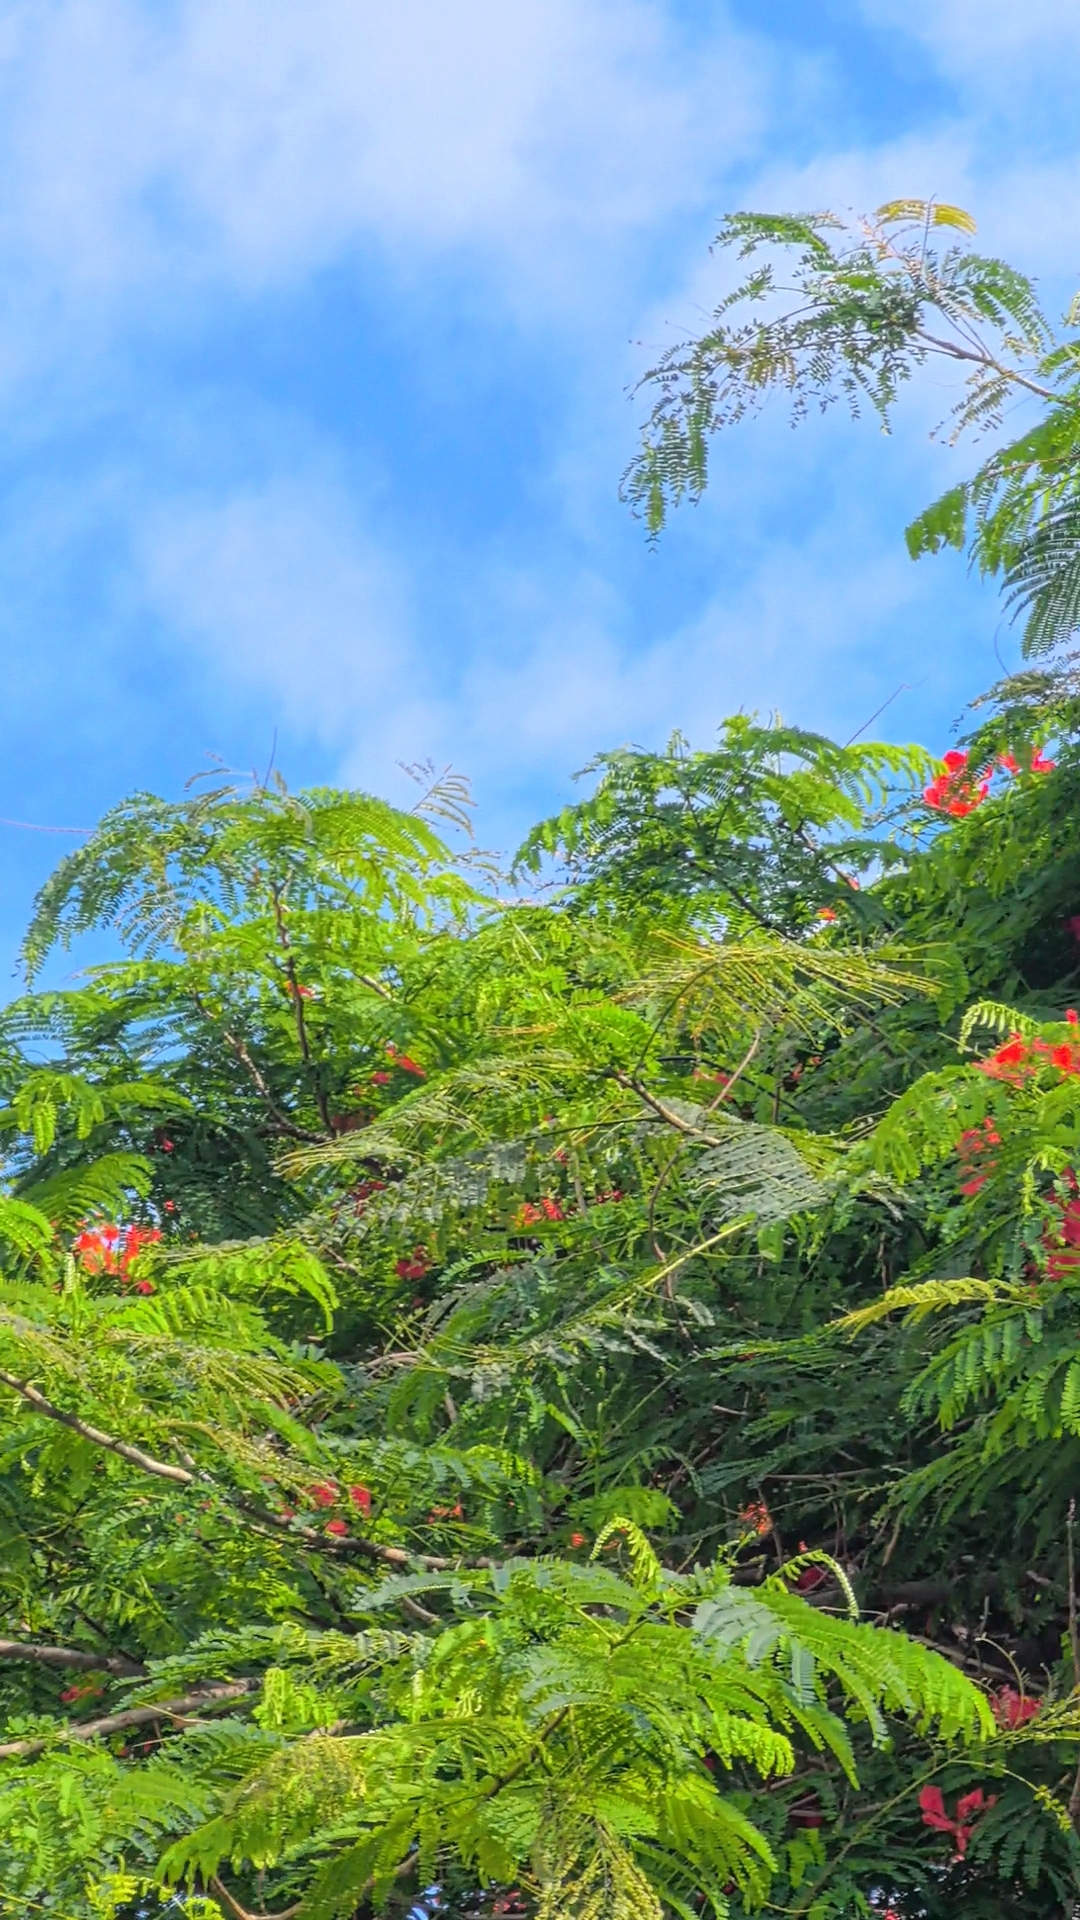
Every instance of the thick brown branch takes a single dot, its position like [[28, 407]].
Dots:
[[181, 1476], [188, 1705], [69, 1657], [134, 1455]]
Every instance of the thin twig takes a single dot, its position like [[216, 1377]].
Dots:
[[297, 996]]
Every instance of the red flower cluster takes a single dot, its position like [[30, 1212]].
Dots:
[[961, 788], [416, 1267], [756, 1518], [545, 1209], [962, 1826], [363, 1190], [1012, 1709], [82, 1690], [326, 1493], [1017, 1059], [110, 1249], [975, 1162], [405, 1062]]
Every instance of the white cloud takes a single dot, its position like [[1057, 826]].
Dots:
[[259, 139], [277, 588], [992, 40]]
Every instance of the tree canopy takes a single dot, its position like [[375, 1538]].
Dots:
[[563, 1400]]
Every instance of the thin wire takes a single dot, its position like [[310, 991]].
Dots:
[[31, 826], [904, 687]]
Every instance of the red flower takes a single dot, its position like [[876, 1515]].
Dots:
[[577, 1539], [1041, 765], [111, 1249], [380, 1079], [324, 1493], [971, 1147], [1062, 1240], [545, 1209], [413, 1267], [1012, 1709], [810, 1579], [82, 1690], [957, 791], [756, 1517], [168, 1206], [961, 1828], [337, 1527], [456, 1512], [826, 913], [408, 1065], [361, 1499]]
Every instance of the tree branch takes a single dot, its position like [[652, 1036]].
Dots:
[[298, 1007], [241, 1051], [187, 1705], [956, 352], [70, 1657], [134, 1455], [398, 1557], [237, 1912]]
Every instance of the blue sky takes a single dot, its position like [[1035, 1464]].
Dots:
[[317, 320]]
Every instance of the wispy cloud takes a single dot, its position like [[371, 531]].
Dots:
[[258, 140], [313, 348]]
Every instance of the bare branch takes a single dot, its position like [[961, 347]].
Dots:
[[70, 1657], [134, 1455], [188, 1705]]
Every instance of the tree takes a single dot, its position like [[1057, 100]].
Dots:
[[416, 1566], [874, 302], [565, 1407]]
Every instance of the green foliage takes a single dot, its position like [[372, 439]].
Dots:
[[873, 301], [570, 1406], [869, 304]]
